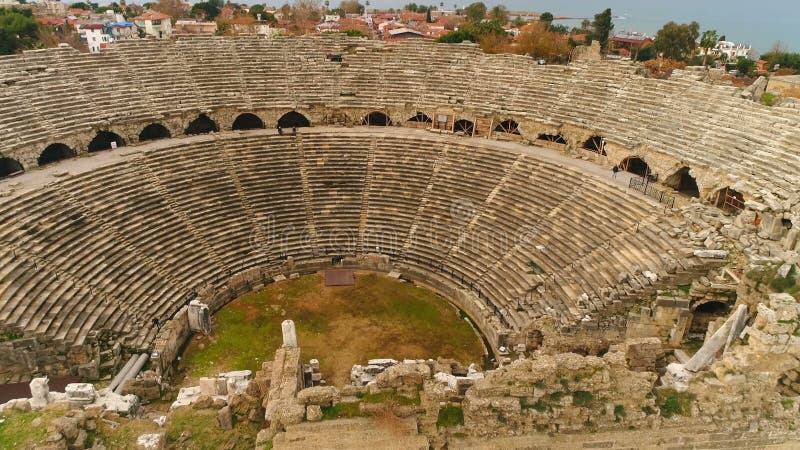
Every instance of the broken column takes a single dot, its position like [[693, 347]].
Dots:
[[199, 317], [289, 333], [40, 392]]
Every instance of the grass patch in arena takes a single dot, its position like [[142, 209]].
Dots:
[[17, 430], [378, 317]]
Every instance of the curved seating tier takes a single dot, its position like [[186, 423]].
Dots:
[[127, 242], [48, 94]]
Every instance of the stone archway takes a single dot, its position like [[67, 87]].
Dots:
[[293, 119], [635, 165], [10, 167], [154, 131], [705, 313], [420, 120], [54, 153], [683, 182], [552, 138], [596, 144], [202, 125], [376, 119], [105, 140], [464, 126], [507, 126], [247, 121]]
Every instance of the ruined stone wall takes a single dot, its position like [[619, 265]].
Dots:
[[169, 342], [26, 358], [559, 393]]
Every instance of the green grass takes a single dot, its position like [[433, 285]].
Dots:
[[379, 317], [205, 433], [17, 432], [672, 402], [684, 288], [342, 411], [450, 416], [691, 346], [9, 335]]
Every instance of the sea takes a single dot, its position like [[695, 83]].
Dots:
[[749, 22]]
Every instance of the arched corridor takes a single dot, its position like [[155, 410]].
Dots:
[[202, 125], [635, 165], [683, 182], [10, 167], [54, 153], [154, 131], [247, 121], [377, 119], [105, 140], [293, 119]]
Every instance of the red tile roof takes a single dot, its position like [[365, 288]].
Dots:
[[152, 15]]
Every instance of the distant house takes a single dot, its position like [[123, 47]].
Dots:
[[731, 50], [121, 30], [400, 34], [629, 43], [195, 27], [154, 24], [95, 36]]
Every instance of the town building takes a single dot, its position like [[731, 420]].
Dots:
[[154, 24], [195, 27], [629, 43], [731, 50]]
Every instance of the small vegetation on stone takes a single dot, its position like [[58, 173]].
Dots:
[[450, 416], [16, 430], [619, 412], [582, 398], [201, 426], [342, 411], [9, 335], [672, 402], [769, 99], [389, 398]]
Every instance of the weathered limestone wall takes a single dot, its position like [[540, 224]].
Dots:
[[169, 342], [559, 393], [26, 358]]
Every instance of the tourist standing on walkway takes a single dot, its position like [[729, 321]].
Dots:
[[614, 171]]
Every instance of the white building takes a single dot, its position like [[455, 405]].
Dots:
[[8, 3], [732, 50], [95, 37], [155, 24]]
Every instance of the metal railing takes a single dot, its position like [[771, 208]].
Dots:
[[644, 186]]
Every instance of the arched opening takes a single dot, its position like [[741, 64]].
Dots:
[[535, 339], [247, 121], [684, 183], [293, 119], [554, 138], [507, 126], [420, 118], [729, 200], [202, 125], [595, 144], [54, 153], [105, 140], [706, 313], [635, 165], [154, 131], [464, 126], [10, 167], [376, 119]]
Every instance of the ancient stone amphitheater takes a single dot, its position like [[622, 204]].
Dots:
[[139, 179]]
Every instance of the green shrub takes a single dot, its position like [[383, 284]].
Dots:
[[450, 416], [769, 99], [582, 398], [672, 402]]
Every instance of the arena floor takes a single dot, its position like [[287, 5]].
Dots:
[[378, 317]]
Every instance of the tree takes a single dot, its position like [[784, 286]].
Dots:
[[86, 6], [602, 27], [546, 18], [745, 65], [539, 42], [428, 17], [172, 8], [18, 30], [499, 14], [205, 11], [518, 22], [304, 15], [559, 28], [411, 7], [351, 7], [708, 41], [677, 41], [475, 12]]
